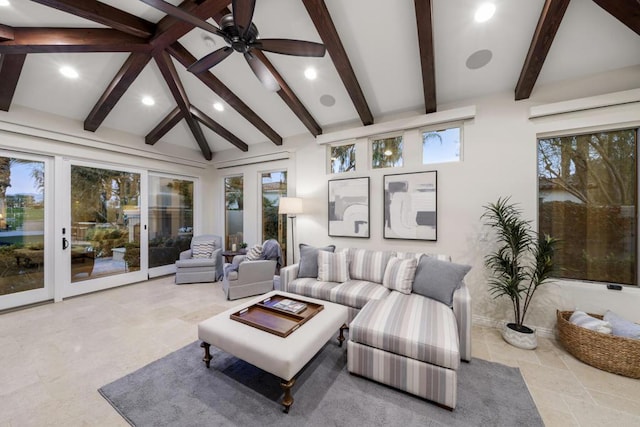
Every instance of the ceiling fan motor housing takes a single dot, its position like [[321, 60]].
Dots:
[[234, 37]]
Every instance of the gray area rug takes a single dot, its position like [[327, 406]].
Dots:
[[178, 390]]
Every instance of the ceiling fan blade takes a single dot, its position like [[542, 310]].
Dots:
[[290, 47], [178, 13], [243, 14], [262, 72], [208, 61]]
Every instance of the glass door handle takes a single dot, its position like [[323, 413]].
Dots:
[[65, 243]]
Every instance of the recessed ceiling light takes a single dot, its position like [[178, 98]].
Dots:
[[147, 100], [69, 72], [4, 3], [310, 73], [484, 12], [218, 106]]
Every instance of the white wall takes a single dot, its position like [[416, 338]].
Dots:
[[499, 159]]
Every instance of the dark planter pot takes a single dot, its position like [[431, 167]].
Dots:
[[520, 336]]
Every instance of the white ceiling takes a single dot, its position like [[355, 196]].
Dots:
[[378, 35]]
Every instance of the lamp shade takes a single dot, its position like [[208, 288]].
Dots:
[[290, 205]]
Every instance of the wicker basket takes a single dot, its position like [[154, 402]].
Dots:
[[607, 352]]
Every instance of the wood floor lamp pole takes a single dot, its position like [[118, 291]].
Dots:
[[291, 206]]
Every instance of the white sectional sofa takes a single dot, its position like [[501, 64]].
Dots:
[[397, 335]]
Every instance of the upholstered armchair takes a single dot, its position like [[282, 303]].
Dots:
[[247, 277], [201, 263]]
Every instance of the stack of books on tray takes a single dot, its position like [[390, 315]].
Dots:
[[290, 306]]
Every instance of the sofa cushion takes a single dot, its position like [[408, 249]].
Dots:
[[333, 267], [308, 266], [438, 279], [311, 287], [368, 265], [399, 274], [196, 262], [409, 325], [356, 293]]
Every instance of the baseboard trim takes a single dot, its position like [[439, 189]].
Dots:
[[492, 323]]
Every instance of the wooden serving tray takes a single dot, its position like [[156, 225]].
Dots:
[[275, 321]]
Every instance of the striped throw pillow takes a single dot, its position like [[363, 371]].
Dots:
[[255, 253], [202, 250], [333, 267], [399, 274]]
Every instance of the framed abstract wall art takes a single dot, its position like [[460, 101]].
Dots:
[[349, 207], [410, 206]]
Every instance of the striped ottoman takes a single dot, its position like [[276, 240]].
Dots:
[[409, 342]]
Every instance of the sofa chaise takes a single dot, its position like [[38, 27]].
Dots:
[[409, 315]]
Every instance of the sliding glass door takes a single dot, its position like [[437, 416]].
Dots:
[[25, 272], [170, 221], [105, 228]]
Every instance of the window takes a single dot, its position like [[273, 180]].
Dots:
[[587, 187], [343, 158], [441, 146], [274, 226], [234, 211], [170, 219], [386, 152]]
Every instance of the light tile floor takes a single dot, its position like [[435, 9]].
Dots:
[[54, 357]]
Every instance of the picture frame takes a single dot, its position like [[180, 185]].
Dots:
[[348, 207], [411, 206]]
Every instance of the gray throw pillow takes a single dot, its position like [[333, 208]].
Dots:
[[308, 266], [437, 279]]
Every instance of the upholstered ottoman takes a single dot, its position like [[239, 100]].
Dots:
[[409, 342]]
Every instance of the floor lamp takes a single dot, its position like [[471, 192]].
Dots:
[[291, 206]]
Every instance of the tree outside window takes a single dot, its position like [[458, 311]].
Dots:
[[343, 158], [386, 152], [587, 188]]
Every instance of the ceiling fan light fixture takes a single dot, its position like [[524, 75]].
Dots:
[[310, 73], [218, 106], [69, 72], [484, 12], [148, 101]]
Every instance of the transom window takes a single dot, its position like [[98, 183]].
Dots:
[[386, 152], [343, 158], [441, 146], [587, 189]]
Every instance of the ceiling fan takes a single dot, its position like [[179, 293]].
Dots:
[[241, 35]]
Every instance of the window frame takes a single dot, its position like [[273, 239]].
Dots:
[[329, 158], [438, 128], [569, 133], [227, 242]]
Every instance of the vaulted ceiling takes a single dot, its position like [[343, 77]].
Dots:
[[384, 57]]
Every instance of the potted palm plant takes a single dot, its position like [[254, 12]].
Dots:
[[522, 262]]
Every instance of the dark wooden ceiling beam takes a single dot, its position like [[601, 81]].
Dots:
[[10, 69], [170, 74], [50, 40], [104, 14], [129, 71], [168, 123], [321, 18], [427, 56], [170, 29], [290, 98], [626, 11], [218, 128], [548, 23], [185, 58], [6, 32]]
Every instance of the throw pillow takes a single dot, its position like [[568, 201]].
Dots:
[[399, 274], [437, 279], [255, 253], [202, 250], [582, 319], [621, 326], [308, 266], [333, 267]]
